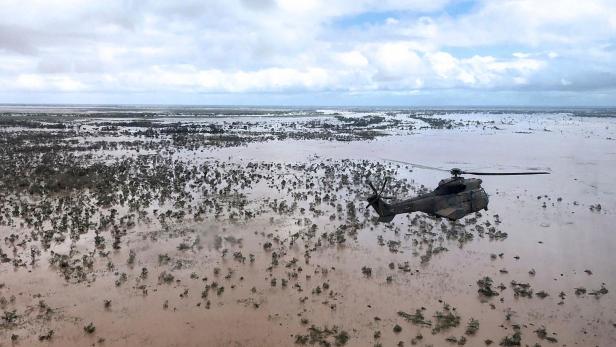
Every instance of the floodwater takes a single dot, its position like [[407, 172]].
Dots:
[[553, 233]]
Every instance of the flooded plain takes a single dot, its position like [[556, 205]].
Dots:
[[249, 227]]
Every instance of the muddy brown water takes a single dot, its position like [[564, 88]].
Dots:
[[559, 242]]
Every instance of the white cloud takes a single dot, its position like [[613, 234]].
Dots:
[[444, 64], [278, 46], [483, 70], [531, 23], [521, 55], [353, 59], [391, 21], [62, 83], [395, 61]]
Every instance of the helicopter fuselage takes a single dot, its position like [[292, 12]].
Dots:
[[453, 199]]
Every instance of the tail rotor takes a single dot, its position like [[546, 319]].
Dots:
[[382, 208]]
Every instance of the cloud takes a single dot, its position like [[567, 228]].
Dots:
[[62, 83], [289, 46]]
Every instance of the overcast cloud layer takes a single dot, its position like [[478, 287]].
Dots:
[[321, 52]]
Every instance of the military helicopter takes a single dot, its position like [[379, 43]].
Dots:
[[454, 198]]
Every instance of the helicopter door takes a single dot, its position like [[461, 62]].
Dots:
[[455, 206]]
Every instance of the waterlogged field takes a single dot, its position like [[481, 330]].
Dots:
[[232, 227]]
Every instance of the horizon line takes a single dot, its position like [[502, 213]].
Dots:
[[303, 106]]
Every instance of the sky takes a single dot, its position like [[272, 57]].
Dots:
[[309, 52]]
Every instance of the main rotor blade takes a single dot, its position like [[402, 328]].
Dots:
[[505, 173], [416, 165], [383, 186], [373, 189]]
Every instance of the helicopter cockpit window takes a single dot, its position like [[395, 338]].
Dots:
[[451, 189]]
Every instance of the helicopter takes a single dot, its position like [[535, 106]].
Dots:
[[454, 198]]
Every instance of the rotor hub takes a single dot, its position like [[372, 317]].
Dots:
[[455, 172]]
